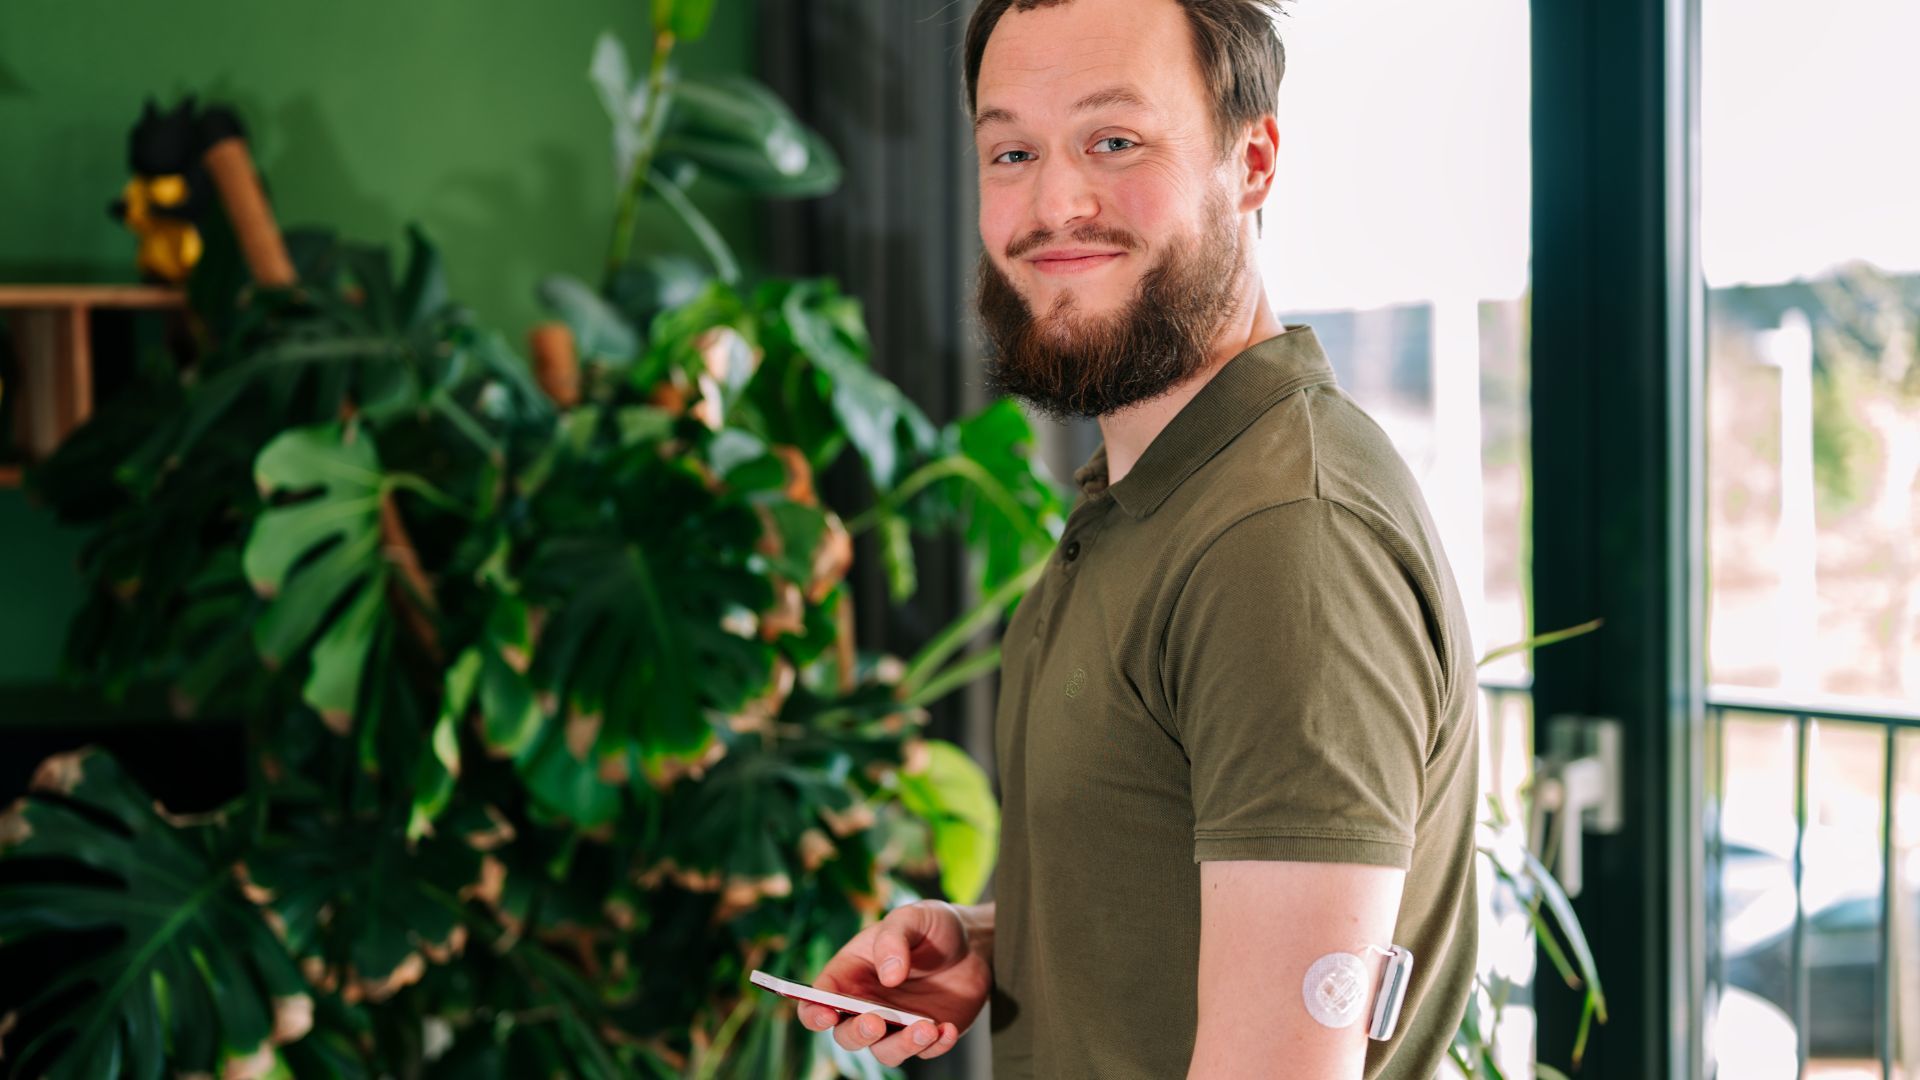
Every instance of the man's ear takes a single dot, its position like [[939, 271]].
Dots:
[[1257, 162]]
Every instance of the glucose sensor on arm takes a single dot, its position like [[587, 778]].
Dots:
[[1335, 990]]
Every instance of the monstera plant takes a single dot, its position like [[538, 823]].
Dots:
[[554, 721]]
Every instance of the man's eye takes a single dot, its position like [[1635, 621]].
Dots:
[[1002, 159], [1113, 139]]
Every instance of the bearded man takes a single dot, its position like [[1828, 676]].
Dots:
[[1236, 733]]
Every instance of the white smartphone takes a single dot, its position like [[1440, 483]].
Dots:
[[845, 1004]]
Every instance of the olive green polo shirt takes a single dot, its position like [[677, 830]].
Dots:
[[1251, 647]]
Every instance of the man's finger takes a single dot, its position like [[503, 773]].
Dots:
[[943, 1042], [859, 1032], [905, 1043], [902, 929]]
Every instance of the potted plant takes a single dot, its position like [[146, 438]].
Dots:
[[555, 723]]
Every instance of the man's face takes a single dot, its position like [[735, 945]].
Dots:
[[1105, 209]]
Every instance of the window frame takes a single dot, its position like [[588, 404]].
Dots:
[[1616, 369]]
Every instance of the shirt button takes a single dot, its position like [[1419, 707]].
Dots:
[[1073, 550]]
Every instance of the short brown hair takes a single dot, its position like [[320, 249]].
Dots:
[[1238, 48]]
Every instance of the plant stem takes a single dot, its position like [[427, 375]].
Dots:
[[962, 630], [955, 676], [716, 1053], [907, 489], [1541, 642], [718, 253], [953, 465], [650, 125]]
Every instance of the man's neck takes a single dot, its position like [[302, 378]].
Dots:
[[1128, 433]]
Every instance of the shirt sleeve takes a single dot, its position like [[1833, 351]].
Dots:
[[1304, 682]]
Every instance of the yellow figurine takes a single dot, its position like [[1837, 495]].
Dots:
[[170, 192], [169, 245]]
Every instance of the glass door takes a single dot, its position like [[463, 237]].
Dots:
[[1809, 241]]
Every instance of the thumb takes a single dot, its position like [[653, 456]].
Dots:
[[900, 931]]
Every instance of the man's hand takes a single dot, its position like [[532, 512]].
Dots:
[[1262, 925], [927, 957]]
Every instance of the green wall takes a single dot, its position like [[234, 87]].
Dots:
[[474, 119]]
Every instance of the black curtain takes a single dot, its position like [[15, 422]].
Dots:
[[881, 80]]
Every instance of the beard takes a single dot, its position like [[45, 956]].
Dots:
[[1068, 364]]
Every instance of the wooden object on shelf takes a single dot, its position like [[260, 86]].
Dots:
[[52, 389], [231, 166]]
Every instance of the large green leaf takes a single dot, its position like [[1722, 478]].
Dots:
[[634, 636], [736, 129], [162, 602], [826, 327], [349, 336], [987, 483], [953, 795], [192, 975], [313, 555], [365, 909], [1012, 511], [623, 98], [600, 333], [743, 824], [560, 759], [436, 770]]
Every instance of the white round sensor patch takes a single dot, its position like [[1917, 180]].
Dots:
[[1336, 989]]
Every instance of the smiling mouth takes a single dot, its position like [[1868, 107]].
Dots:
[[1076, 264]]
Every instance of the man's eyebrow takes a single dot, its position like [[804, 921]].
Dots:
[[1099, 99]]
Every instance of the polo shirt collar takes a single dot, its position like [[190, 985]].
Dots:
[[1244, 387]]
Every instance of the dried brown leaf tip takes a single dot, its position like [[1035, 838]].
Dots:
[[253, 892], [799, 486], [404, 974], [487, 889], [498, 831], [831, 560], [856, 818], [187, 821], [338, 721], [582, 731], [916, 756], [743, 894], [815, 849], [443, 951], [664, 773], [292, 1018], [14, 830], [61, 773]]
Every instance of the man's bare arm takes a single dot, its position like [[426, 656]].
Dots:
[[1262, 925]]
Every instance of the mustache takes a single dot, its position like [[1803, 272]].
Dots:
[[1090, 233]]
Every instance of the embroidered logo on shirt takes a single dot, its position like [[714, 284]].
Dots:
[[1076, 682]]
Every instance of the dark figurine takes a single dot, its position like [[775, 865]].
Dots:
[[170, 192]]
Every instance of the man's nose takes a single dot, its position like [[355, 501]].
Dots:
[[1062, 196]]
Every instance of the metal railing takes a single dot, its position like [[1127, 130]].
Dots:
[[1509, 702], [1803, 712]]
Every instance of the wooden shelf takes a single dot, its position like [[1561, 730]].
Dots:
[[91, 296], [53, 347]]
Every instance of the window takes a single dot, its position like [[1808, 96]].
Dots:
[[1810, 246], [1399, 228]]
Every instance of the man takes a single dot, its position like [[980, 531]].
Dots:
[[1236, 736]]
